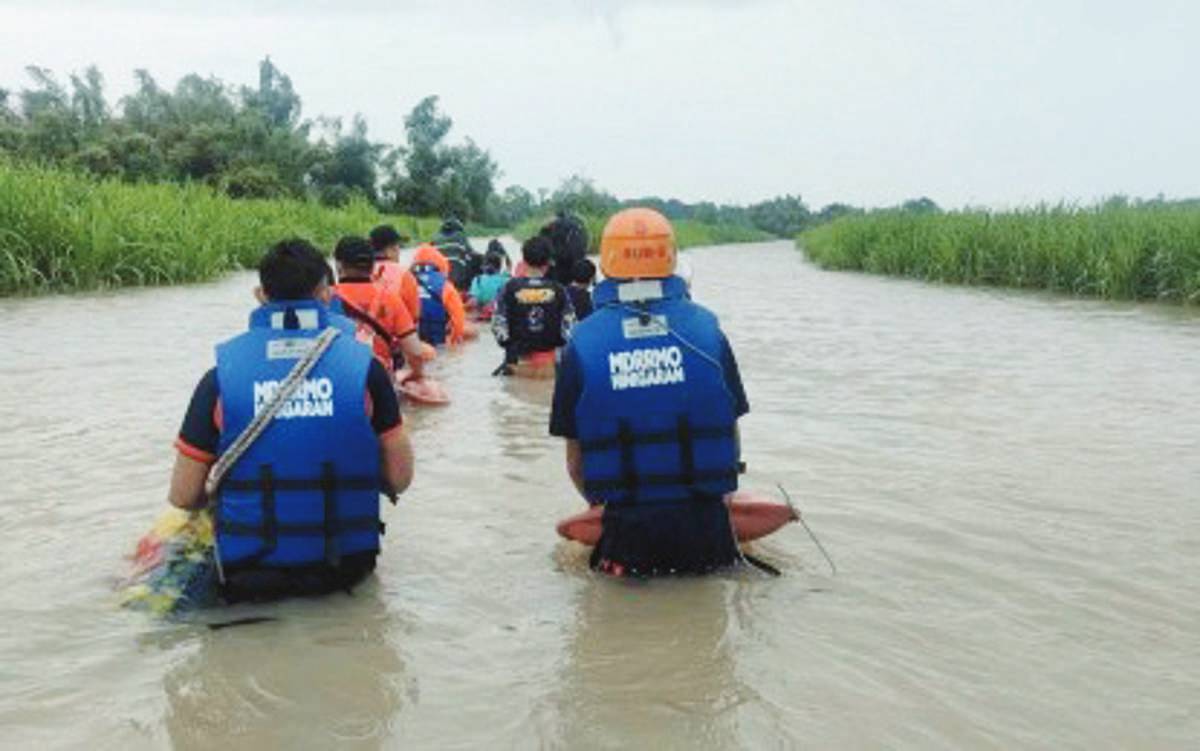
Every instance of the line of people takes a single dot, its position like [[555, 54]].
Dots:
[[647, 395]]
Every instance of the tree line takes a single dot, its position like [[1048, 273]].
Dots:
[[253, 142]]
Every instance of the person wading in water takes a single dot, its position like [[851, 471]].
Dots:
[[533, 313], [647, 396], [383, 321], [297, 513]]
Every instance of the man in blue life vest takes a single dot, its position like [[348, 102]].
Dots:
[[648, 396], [298, 512]]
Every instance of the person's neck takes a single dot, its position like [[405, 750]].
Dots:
[[355, 276], [537, 271]]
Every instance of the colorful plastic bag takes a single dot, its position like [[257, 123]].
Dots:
[[173, 568]]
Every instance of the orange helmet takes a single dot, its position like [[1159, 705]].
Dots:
[[429, 254], [637, 244]]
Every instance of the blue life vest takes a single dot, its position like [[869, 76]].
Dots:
[[430, 285], [307, 491], [656, 420]]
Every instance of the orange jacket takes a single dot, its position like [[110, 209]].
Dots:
[[385, 309], [398, 280], [455, 311]]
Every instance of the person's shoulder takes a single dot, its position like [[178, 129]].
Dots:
[[596, 324], [702, 313]]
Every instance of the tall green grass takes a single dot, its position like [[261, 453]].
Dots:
[[1141, 251], [688, 232], [64, 231]]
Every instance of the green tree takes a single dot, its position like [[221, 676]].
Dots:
[[922, 205], [513, 206], [580, 195], [784, 216], [429, 177], [347, 164], [275, 98]]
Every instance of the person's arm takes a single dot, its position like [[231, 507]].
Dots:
[[187, 483], [454, 309], [396, 460], [414, 353], [575, 465], [568, 388], [567, 321], [733, 379], [500, 316], [395, 451], [196, 445], [410, 295], [406, 339]]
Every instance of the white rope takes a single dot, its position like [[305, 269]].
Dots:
[[262, 421]]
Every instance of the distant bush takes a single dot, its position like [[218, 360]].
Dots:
[[61, 230], [1120, 250]]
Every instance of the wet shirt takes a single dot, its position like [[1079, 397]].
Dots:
[[485, 287], [568, 386], [381, 303], [533, 314], [385, 309], [200, 435]]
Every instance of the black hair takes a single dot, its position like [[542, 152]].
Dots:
[[292, 269], [355, 252], [583, 272], [537, 251], [496, 256], [384, 236]]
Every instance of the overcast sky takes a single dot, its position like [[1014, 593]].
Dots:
[[995, 102]]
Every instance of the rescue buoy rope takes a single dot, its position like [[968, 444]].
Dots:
[[262, 420], [787, 498]]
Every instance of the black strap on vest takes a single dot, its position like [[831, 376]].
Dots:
[[358, 314], [629, 476], [270, 529], [684, 435], [643, 480], [687, 459], [343, 524], [266, 479], [664, 436], [329, 490], [296, 483]]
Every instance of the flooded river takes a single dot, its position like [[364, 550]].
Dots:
[[1009, 483]]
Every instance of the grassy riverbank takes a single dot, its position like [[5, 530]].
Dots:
[[1148, 251], [63, 231], [688, 232]]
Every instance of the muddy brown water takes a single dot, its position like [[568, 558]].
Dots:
[[1009, 483]]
